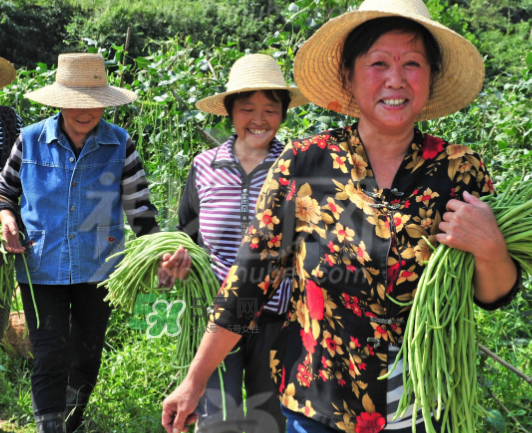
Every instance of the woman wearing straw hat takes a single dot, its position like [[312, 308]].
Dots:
[[10, 126], [217, 204], [355, 207], [76, 175]]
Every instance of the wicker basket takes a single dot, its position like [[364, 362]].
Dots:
[[14, 341]]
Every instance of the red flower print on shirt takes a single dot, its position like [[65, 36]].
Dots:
[[432, 146], [283, 181], [308, 341], [315, 303], [370, 423]]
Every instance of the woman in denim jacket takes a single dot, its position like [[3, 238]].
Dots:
[[76, 174]]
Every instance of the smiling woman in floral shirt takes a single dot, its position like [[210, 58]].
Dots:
[[351, 215]]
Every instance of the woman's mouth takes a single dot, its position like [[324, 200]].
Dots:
[[257, 131], [393, 102]]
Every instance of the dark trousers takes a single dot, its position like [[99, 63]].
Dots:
[[68, 344], [249, 361]]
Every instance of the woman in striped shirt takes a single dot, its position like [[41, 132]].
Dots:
[[217, 204], [76, 175]]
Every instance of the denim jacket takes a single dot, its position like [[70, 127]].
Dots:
[[71, 209]]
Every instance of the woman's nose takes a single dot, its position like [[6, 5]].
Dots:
[[396, 77]]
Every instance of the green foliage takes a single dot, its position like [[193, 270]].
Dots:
[[33, 33]]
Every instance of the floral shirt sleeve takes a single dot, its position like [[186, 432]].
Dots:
[[349, 247]]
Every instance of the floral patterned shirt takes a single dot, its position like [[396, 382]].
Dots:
[[350, 247]]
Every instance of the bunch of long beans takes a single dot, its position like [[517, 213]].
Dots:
[[137, 272], [7, 278], [7, 275], [440, 337]]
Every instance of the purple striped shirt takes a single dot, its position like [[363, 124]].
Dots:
[[220, 185]]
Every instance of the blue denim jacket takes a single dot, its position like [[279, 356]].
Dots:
[[71, 209]]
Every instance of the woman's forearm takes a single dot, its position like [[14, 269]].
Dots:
[[494, 278], [214, 347]]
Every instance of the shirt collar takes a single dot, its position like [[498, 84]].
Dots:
[[102, 133], [224, 154]]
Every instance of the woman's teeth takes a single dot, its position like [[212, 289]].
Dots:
[[393, 102], [257, 131]]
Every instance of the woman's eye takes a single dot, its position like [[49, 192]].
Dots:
[[412, 63], [378, 64]]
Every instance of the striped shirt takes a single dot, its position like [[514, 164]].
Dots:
[[218, 203], [135, 194], [19, 127], [394, 393]]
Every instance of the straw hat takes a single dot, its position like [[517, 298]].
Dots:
[[81, 82], [250, 73], [7, 72], [317, 64]]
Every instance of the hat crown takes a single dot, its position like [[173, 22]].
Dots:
[[400, 7], [255, 71], [81, 70]]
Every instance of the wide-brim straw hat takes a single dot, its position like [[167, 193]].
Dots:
[[7, 72], [317, 64], [81, 82], [251, 73]]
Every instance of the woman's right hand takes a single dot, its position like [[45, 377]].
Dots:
[[172, 266], [10, 232], [179, 407]]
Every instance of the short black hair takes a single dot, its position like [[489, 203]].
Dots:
[[281, 95], [360, 40]]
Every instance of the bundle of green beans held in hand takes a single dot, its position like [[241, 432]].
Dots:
[[440, 344], [137, 273]]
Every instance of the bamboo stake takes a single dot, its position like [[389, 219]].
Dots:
[[506, 364], [124, 59], [196, 124]]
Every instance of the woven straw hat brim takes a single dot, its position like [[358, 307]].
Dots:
[[7, 72], [317, 66], [56, 95], [215, 104]]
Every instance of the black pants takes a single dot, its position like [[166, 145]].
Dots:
[[249, 361], [68, 344]]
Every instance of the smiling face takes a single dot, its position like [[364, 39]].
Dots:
[[391, 83], [79, 122], [256, 120]]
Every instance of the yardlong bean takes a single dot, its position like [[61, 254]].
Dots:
[[440, 336]]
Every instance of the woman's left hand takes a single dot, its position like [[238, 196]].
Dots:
[[471, 226]]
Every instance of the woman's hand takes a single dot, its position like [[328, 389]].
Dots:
[[172, 266], [178, 407], [10, 232], [472, 227]]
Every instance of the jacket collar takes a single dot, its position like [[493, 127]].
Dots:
[[102, 133]]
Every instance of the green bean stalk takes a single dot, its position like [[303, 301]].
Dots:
[[440, 343]]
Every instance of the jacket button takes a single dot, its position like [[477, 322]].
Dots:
[[71, 237], [72, 159], [74, 183], [72, 209]]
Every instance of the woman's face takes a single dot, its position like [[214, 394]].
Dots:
[[257, 120], [391, 83], [79, 122]]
